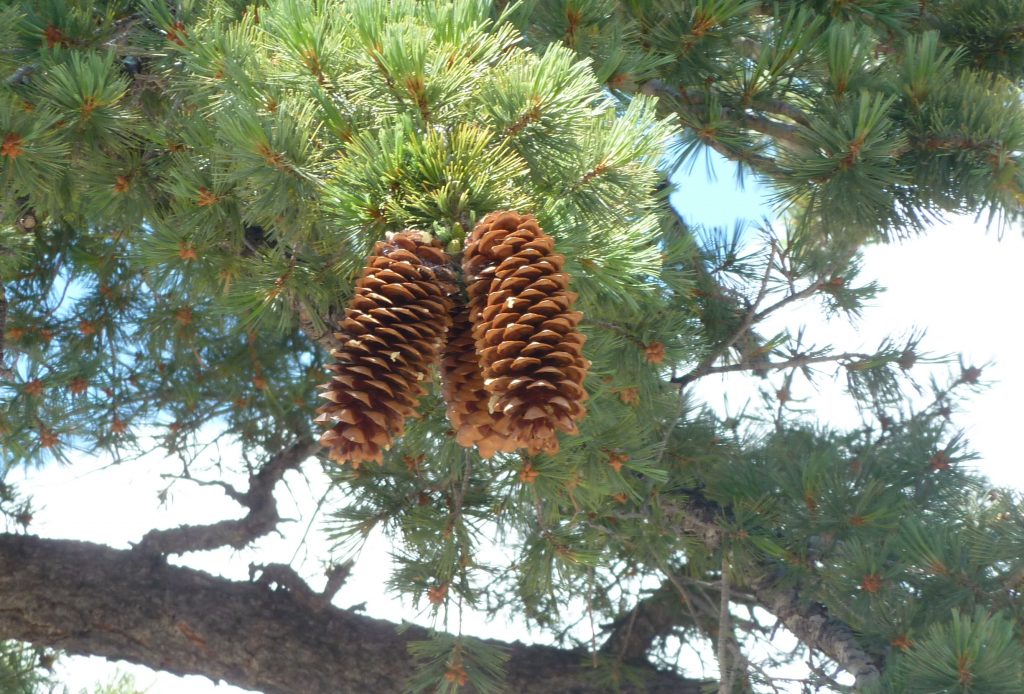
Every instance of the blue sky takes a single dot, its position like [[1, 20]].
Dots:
[[707, 193]]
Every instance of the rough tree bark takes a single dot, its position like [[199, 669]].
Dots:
[[131, 605]]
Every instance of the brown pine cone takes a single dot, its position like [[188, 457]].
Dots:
[[390, 338], [524, 329], [466, 396]]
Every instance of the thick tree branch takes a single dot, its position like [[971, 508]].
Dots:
[[782, 108], [261, 519], [89, 599], [766, 126]]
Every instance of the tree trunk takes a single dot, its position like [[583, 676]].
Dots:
[[130, 605]]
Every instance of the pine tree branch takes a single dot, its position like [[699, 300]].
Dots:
[[808, 621], [757, 162], [682, 103], [261, 519], [766, 126], [774, 106], [783, 108], [652, 618], [765, 365], [88, 599], [750, 317], [685, 99]]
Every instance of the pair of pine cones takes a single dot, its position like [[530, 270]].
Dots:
[[512, 363]]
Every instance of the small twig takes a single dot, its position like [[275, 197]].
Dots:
[[228, 489], [807, 291], [309, 525], [724, 630], [672, 424], [627, 633], [590, 615]]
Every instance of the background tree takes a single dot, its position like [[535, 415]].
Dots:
[[190, 189]]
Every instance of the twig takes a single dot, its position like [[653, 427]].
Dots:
[[724, 630], [228, 489], [807, 291], [4, 371], [751, 317], [261, 519], [794, 362], [672, 424], [309, 525]]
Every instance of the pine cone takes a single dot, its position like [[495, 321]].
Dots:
[[525, 333], [390, 339], [465, 393]]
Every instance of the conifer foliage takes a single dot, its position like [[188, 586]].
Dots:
[[206, 206]]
